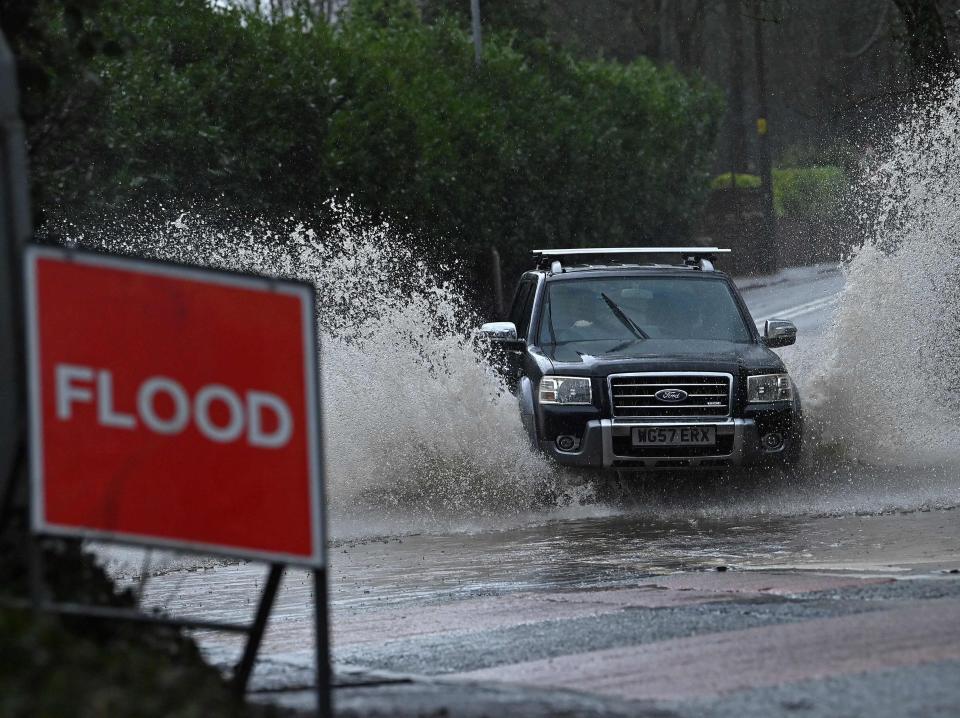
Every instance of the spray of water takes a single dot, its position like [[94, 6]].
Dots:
[[418, 427], [880, 392], [885, 392]]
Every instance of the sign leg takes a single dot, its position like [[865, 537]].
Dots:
[[241, 675], [324, 707], [35, 573]]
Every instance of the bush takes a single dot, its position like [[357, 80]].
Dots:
[[808, 192], [802, 193], [49, 670], [72, 667], [275, 117], [743, 181]]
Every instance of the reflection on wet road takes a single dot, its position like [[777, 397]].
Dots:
[[595, 553], [613, 551]]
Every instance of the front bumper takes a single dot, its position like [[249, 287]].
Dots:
[[606, 443]]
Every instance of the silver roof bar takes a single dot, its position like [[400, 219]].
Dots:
[[686, 251], [701, 257]]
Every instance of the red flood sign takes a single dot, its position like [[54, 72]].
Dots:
[[173, 406]]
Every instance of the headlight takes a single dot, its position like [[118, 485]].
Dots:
[[769, 387], [565, 390]]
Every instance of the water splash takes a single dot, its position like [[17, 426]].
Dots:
[[418, 428], [886, 392], [881, 388]]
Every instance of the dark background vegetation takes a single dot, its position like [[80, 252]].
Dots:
[[173, 100], [605, 122]]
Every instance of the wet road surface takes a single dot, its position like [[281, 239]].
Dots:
[[636, 614], [834, 594]]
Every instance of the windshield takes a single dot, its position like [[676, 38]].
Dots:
[[626, 310]]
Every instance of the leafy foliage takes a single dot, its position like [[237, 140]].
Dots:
[[808, 192], [803, 193], [54, 43], [80, 672], [275, 116], [744, 181], [73, 667]]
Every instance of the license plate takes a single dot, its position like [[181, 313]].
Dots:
[[674, 436]]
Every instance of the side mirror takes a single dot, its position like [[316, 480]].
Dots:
[[503, 335], [499, 330], [779, 333]]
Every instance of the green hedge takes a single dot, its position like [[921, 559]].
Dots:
[[808, 192], [534, 147], [798, 192], [744, 181]]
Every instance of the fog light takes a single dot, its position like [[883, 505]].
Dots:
[[566, 443], [772, 441]]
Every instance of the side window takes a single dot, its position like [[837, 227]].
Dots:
[[519, 299], [523, 306]]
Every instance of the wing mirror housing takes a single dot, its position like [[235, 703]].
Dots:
[[502, 335], [499, 331], [779, 333]]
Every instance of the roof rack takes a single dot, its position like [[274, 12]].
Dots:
[[702, 257]]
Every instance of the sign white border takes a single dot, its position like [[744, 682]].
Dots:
[[301, 290]]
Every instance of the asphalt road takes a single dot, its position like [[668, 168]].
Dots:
[[833, 594]]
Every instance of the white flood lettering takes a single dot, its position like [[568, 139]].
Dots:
[[163, 406], [106, 414], [226, 396], [257, 403], [67, 392], [146, 405]]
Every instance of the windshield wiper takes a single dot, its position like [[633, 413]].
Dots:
[[624, 319]]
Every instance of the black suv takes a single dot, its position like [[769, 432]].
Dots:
[[646, 366]]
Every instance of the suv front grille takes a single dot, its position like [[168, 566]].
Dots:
[[635, 395]]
